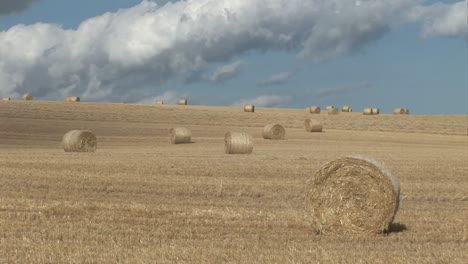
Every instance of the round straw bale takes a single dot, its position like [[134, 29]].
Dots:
[[159, 102], [274, 131], [28, 97], [6, 99], [72, 99], [180, 135], [249, 108], [333, 111], [238, 143], [399, 111], [375, 111], [367, 111], [312, 125], [314, 110], [79, 141], [352, 196], [183, 102], [330, 107], [346, 108], [407, 111]]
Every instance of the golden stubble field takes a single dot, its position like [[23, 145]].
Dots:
[[139, 199]]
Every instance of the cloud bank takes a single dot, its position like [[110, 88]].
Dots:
[[276, 79], [111, 56], [8, 7], [224, 73]]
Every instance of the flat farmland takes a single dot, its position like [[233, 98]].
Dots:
[[139, 199]]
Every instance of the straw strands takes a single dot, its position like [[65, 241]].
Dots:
[[79, 141], [347, 109], [352, 196], [180, 135], [72, 99], [238, 143], [314, 110], [28, 97], [249, 108], [274, 132], [312, 125], [183, 102]]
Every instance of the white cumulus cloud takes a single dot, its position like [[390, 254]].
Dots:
[[266, 101]]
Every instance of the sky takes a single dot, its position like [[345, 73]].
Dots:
[[271, 53]]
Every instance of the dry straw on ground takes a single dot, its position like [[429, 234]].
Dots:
[[6, 99], [274, 131], [314, 110], [238, 143], [375, 111], [346, 108], [367, 111], [352, 196], [249, 108], [79, 141], [333, 111], [312, 125], [159, 102], [28, 97], [330, 107], [180, 135], [72, 99], [183, 102]]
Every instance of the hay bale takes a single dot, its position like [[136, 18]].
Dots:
[[367, 111], [347, 109], [314, 110], [6, 99], [330, 107], [399, 111], [274, 131], [333, 111], [353, 196], [183, 102], [249, 108], [407, 111], [79, 141], [312, 125], [159, 102], [72, 99], [28, 97], [238, 143], [375, 111], [180, 135]]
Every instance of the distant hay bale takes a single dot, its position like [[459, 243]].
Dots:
[[6, 99], [333, 111], [238, 143], [352, 196], [399, 111], [249, 108], [180, 135], [72, 99], [159, 102], [314, 110], [312, 125], [367, 111], [347, 109], [183, 102], [375, 111], [79, 141], [330, 107], [274, 132], [407, 111], [28, 97]]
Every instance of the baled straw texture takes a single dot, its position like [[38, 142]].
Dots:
[[6, 99], [183, 102], [353, 196], [375, 111], [238, 143], [72, 99], [314, 110], [346, 108], [180, 135], [274, 132], [367, 111], [28, 97], [249, 108], [79, 141], [333, 111], [330, 107], [159, 102], [312, 125]]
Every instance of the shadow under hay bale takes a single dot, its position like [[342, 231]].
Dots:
[[238, 143], [274, 132], [79, 141], [314, 110], [312, 125], [249, 108], [180, 135], [352, 196]]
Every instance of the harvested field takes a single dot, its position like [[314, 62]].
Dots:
[[140, 199]]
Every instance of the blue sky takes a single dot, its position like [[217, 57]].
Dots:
[[403, 60]]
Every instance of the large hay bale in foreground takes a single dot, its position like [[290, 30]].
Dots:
[[312, 125], [159, 102], [353, 196], [329, 107], [375, 111], [79, 141], [180, 135], [72, 99], [347, 109], [28, 97], [314, 109], [238, 143], [367, 111], [274, 132], [333, 111], [183, 102], [249, 108], [6, 99]]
